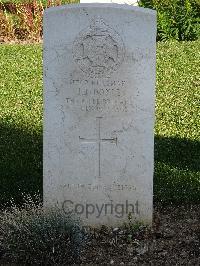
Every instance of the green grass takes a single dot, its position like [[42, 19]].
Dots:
[[177, 137], [20, 121], [177, 142]]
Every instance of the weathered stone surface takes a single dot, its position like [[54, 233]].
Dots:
[[99, 79], [129, 2]]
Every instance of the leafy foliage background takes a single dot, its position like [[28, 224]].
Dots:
[[176, 19]]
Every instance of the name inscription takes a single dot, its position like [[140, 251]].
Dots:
[[99, 95]]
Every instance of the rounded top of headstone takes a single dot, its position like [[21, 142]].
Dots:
[[101, 5]]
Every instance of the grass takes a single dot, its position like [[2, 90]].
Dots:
[[20, 121], [177, 137], [177, 143]]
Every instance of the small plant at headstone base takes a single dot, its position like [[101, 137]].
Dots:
[[34, 235], [135, 229], [176, 19]]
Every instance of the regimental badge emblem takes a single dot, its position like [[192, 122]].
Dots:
[[98, 50]]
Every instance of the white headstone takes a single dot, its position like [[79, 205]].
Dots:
[[129, 2], [99, 79]]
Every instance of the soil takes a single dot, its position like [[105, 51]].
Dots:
[[173, 240]]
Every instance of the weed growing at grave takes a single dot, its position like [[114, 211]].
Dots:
[[32, 235], [133, 228]]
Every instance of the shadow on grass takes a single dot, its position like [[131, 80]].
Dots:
[[20, 164], [177, 170], [176, 176]]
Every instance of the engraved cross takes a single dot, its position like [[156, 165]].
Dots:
[[98, 141]]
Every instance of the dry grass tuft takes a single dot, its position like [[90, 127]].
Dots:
[[32, 235]]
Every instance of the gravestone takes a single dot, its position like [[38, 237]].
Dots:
[[129, 2], [99, 79]]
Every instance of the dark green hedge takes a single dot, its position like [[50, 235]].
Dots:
[[176, 19]]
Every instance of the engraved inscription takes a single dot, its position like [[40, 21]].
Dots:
[[99, 140], [103, 95], [98, 50], [95, 187]]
